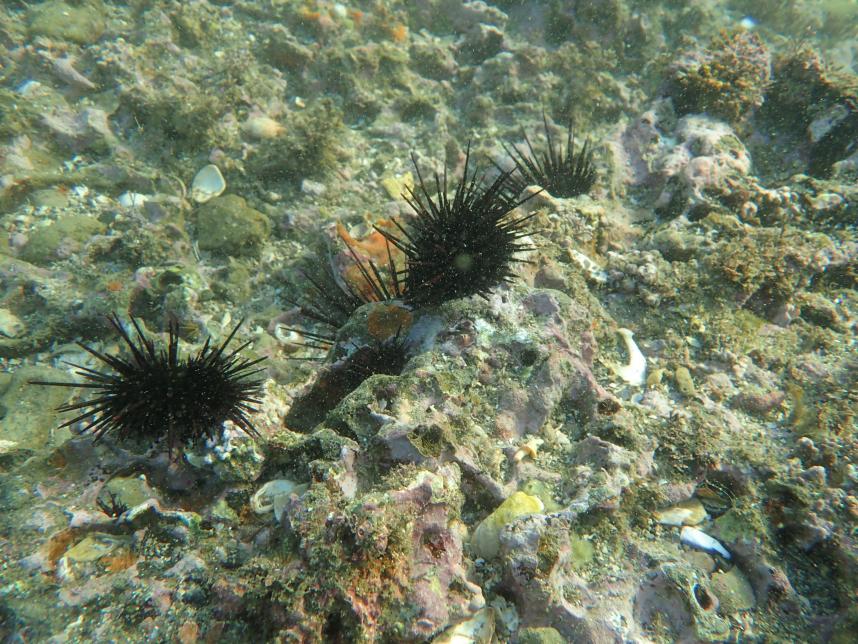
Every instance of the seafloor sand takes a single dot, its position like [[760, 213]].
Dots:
[[511, 474]]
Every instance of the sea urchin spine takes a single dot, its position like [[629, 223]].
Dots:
[[155, 394], [562, 174]]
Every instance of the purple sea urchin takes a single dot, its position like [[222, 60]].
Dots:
[[156, 394], [562, 174], [461, 246]]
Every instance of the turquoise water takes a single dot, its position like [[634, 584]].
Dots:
[[434, 321]]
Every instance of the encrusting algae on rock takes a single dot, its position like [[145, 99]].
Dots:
[[485, 541]]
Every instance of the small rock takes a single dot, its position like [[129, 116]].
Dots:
[[228, 226], [684, 382], [313, 188], [486, 539], [11, 325], [734, 592]]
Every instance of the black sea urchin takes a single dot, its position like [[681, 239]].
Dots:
[[155, 393], [330, 299], [563, 175], [461, 246]]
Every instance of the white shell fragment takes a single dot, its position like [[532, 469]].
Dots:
[[690, 512], [208, 184], [694, 538], [633, 373], [591, 268], [273, 496], [476, 630], [262, 127], [132, 199], [7, 446], [11, 325]]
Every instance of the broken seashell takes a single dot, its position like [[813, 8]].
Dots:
[[528, 449], [590, 267], [273, 496], [11, 325], [699, 540], [690, 512], [262, 127], [7, 446], [634, 372], [208, 184], [478, 628], [132, 199]]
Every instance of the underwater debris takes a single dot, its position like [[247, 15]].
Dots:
[[273, 496], [112, 506], [461, 246], [562, 174], [156, 394]]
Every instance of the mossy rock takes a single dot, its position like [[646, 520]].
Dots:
[[67, 234], [29, 419], [307, 148], [544, 635], [79, 22], [233, 282], [486, 540], [734, 592], [228, 226]]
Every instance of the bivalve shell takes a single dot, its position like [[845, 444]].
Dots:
[[208, 184]]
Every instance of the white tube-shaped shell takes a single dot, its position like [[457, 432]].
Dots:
[[699, 540]]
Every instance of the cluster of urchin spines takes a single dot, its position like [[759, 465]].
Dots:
[[156, 393], [454, 247], [462, 246], [562, 174]]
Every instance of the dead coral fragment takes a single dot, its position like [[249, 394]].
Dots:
[[339, 379]]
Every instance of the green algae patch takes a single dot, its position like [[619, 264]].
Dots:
[[581, 551], [30, 419], [544, 492], [684, 382], [65, 236], [486, 539], [545, 635], [129, 490], [228, 226], [82, 23], [734, 591], [738, 524]]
